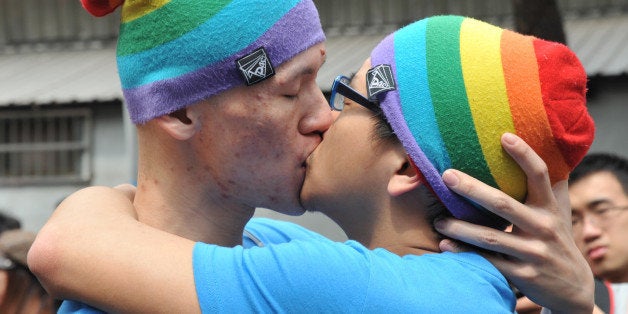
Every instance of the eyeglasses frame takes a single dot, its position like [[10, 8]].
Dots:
[[597, 217], [340, 87]]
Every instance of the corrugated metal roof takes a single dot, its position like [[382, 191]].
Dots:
[[80, 76], [600, 43], [59, 77]]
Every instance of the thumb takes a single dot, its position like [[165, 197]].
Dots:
[[448, 245]]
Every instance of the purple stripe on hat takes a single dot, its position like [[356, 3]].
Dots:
[[391, 105], [294, 33]]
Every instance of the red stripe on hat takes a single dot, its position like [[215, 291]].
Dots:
[[563, 86], [101, 7], [526, 102]]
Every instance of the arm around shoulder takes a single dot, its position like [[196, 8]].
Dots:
[[53, 252], [94, 250]]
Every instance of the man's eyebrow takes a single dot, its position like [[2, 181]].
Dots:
[[297, 73], [305, 70], [309, 70], [592, 204], [596, 202]]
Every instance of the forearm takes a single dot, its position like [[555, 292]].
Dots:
[[99, 254]]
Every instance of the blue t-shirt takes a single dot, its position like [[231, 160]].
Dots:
[[324, 276], [336, 277], [257, 232]]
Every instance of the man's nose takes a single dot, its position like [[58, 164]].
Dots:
[[591, 227], [319, 117]]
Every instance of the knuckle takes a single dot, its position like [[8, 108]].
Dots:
[[489, 238], [539, 253], [547, 228], [466, 188], [529, 273], [539, 172], [501, 204], [535, 252]]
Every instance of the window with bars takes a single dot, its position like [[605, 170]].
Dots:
[[47, 146]]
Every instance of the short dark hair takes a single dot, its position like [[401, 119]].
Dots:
[[599, 162], [384, 133], [8, 223]]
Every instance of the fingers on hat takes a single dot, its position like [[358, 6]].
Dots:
[[101, 7]]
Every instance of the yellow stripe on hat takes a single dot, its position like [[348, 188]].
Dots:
[[132, 10], [480, 55]]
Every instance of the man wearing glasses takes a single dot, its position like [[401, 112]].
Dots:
[[598, 191]]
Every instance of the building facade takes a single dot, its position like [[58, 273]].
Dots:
[[63, 125]]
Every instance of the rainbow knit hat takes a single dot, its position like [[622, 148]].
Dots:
[[458, 84], [174, 53]]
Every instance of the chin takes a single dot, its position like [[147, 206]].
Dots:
[[306, 199], [292, 208], [294, 211]]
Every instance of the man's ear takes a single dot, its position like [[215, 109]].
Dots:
[[405, 179], [181, 124]]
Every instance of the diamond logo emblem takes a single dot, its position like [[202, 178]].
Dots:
[[378, 80], [255, 67]]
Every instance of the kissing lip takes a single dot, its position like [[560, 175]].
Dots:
[[304, 162]]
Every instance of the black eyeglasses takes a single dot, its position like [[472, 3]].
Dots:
[[603, 216], [341, 89]]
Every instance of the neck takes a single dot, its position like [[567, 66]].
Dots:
[[619, 277], [187, 213], [399, 226], [404, 242], [183, 200]]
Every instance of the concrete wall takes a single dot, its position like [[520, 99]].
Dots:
[[111, 163], [608, 104]]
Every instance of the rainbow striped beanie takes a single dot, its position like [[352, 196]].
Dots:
[[174, 53], [458, 84]]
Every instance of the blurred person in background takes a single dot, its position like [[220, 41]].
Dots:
[[598, 192], [20, 291]]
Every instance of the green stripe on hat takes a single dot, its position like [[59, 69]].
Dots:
[[449, 96], [166, 24]]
